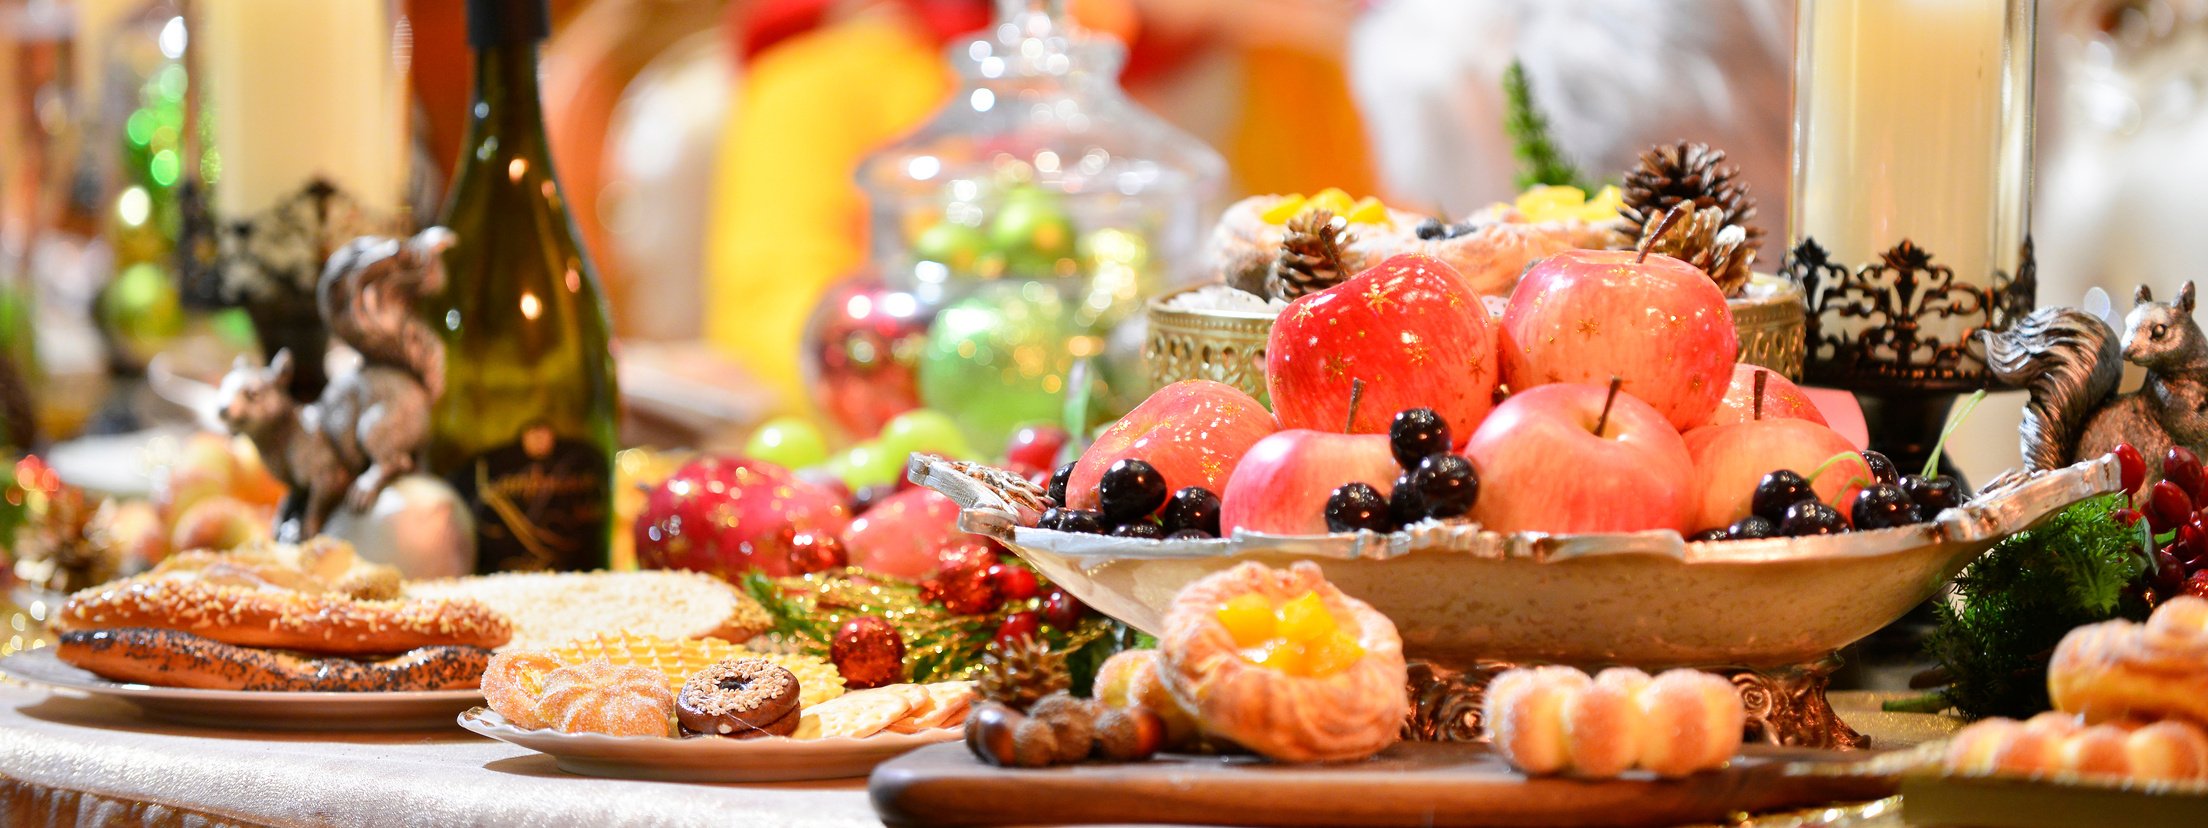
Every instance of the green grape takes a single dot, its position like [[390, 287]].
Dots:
[[925, 430], [873, 464], [789, 442]]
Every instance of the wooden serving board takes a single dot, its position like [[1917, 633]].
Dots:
[[1412, 784]]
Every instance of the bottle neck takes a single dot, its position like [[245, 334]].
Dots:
[[507, 119]]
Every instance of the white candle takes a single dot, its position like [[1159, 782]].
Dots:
[[1912, 123], [299, 91]]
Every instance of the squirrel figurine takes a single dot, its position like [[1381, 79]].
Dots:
[[370, 423], [2071, 361]]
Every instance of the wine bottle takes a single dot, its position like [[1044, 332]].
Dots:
[[525, 429]]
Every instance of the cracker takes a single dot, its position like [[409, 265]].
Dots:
[[948, 703], [854, 715]]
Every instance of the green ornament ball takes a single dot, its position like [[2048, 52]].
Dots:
[[1000, 358], [956, 246], [1034, 236], [789, 442]]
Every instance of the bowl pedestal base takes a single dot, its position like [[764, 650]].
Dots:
[[1786, 705]]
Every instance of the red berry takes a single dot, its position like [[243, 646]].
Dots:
[[2125, 517], [2168, 506], [2197, 586], [1062, 610], [1036, 447], [1016, 626], [2131, 466], [816, 551], [1014, 582], [2182, 467]]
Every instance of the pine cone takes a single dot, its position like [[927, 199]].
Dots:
[[1669, 174], [57, 550], [1310, 257], [1020, 672], [1704, 240]]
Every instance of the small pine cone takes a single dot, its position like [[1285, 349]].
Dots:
[[1704, 240], [1684, 171], [1020, 672], [1310, 257]]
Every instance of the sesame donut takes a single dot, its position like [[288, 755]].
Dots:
[[740, 698]]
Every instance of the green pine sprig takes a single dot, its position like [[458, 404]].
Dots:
[[2016, 602], [1539, 159]]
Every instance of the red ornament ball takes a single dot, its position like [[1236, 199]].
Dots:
[[1013, 581], [861, 353], [1017, 626], [728, 516], [962, 583], [1061, 610], [869, 653]]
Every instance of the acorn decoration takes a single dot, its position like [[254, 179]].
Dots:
[[1687, 172], [1061, 730], [1310, 257], [1703, 239], [1018, 672]]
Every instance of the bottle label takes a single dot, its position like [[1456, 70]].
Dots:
[[540, 503]]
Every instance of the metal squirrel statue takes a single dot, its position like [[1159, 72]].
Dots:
[[2071, 361], [370, 424]]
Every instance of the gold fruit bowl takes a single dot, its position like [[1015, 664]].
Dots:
[[1462, 596]]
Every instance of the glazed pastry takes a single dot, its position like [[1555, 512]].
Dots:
[[741, 698], [320, 565], [551, 608], [257, 616], [2122, 670], [167, 658], [2054, 742], [1547, 720], [597, 697], [1281, 662], [677, 658], [512, 684]]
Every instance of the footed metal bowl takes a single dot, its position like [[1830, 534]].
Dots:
[[1462, 596]]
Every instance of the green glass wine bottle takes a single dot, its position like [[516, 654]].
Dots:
[[527, 424]]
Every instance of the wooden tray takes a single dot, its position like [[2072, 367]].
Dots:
[[2008, 802], [1412, 784]]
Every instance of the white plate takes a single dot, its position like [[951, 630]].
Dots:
[[254, 709], [706, 758]]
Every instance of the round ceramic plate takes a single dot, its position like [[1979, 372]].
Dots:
[[253, 709], [706, 758]]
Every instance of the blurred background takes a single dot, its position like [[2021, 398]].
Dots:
[[711, 152]]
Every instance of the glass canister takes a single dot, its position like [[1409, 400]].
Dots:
[[1037, 209]]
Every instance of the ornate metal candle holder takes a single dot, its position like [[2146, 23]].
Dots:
[[1905, 374], [268, 263]]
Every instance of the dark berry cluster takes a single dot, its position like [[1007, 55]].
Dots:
[[1435, 483], [1132, 503], [1785, 505]]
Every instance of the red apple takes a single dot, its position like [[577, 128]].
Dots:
[[1729, 460], [904, 534], [726, 516], [1544, 467], [1585, 316], [1408, 327], [1193, 432], [1781, 399], [1282, 485]]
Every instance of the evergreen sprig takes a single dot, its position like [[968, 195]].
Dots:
[[2015, 603], [1539, 159]]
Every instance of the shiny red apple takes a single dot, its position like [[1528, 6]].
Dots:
[[1408, 327], [1193, 432], [728, 516], [1729, 461], [905, 534], [1282, 485], [1781, 399], [1584, 316], [1545, 466]]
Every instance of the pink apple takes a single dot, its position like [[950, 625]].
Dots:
[[1193, 432], [1282, 485], [1543, 467], [904, 534], [1729, 460], [1781, 399], [1408, 327], [1585, 316]]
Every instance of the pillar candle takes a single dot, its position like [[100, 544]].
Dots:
[[299, 91], [1912, 121]]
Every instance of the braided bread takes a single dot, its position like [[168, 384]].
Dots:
[[2054, 742], [168, 658], [325, 623], [2118, 669], [1547, 720]]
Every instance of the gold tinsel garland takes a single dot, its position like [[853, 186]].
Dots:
[[939, 645]]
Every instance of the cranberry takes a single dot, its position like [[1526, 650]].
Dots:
[[2181, 466], [2168, 506], [1014, 582], [1016, 626], [1062, 610], [2131, 466]]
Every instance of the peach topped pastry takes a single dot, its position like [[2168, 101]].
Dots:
[[1284, 664]]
